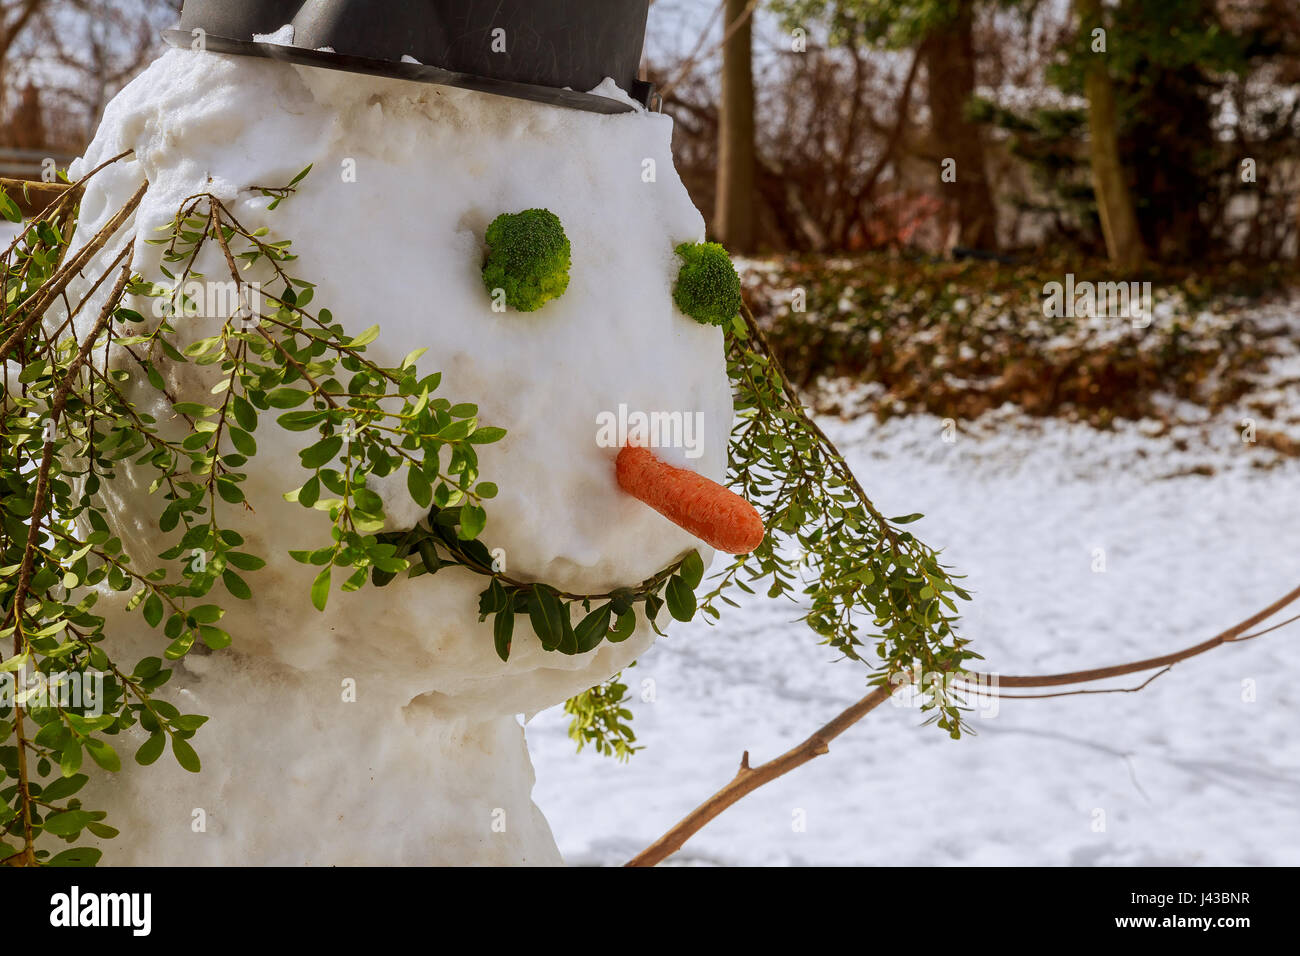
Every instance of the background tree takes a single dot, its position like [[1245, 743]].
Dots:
[[734, 220], [1114, 199], [942, 33]]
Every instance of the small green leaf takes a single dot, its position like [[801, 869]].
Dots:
[[301, 421], [67, 823], [287, 397], [365, 338], [64, 787], [77, 856], [320, 588], [245, 562], [591, 629], [185, 755], [309, 493], [70, 759], [544, 611], [472, 520], [151, 749], [681, 599], [503, 626], [153, 609], [692, 570], [623, 628], [207, 613], [9, 209], [486, 435], [493, 599], [236, 585], [103, 754], [322, 452], [419, 487], [243, 442], [193, 409], [244, 413], [229, 491]]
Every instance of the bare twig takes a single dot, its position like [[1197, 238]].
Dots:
[[749, 779], [26, 856], [1231, 635], [689, 63], [55, 285]]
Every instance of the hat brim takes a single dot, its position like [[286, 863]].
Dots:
[[415, 72]]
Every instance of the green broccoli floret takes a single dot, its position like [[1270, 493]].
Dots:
[[707, 289], [528, 257]]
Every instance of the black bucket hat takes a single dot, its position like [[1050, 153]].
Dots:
[[529, 49]]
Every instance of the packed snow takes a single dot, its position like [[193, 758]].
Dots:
[[280, 37], [406, 178], [1201, 767]]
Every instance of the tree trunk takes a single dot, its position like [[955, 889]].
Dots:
[[734, 213], [949, 53], [1110, 184], [27, 126]]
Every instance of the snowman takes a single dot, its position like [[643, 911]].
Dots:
[[386, 729]]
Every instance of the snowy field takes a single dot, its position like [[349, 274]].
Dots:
[[1202, 767]]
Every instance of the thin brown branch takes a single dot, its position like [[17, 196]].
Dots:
[[689, 63], [26, 856], [1136, 667], [55, 285], [748, 780], [1076, 693]]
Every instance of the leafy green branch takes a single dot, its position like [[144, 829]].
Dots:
[[827, 543], [439, 541], [69, 422]]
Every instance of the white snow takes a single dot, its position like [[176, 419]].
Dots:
[[9, 231], [1192, 770], [280, 37], [610, 89], [416, 768]]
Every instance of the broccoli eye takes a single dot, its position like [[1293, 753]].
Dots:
[[528, 258], [707, 287]]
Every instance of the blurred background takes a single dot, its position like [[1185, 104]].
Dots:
[[822, 126], [908, 166]]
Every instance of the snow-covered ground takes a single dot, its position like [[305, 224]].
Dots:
[[9, 232], [1202, 767]]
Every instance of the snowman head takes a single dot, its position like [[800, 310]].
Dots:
[[392, 227]]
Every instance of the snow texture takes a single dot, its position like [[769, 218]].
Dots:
[[1200, 768], [281, 37], [9, 231], [431, 755]]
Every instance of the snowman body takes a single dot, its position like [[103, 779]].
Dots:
[[386, 729]]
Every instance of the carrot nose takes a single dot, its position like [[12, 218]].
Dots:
[[718, 517]]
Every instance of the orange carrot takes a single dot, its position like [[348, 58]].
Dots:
[[718, 517]]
